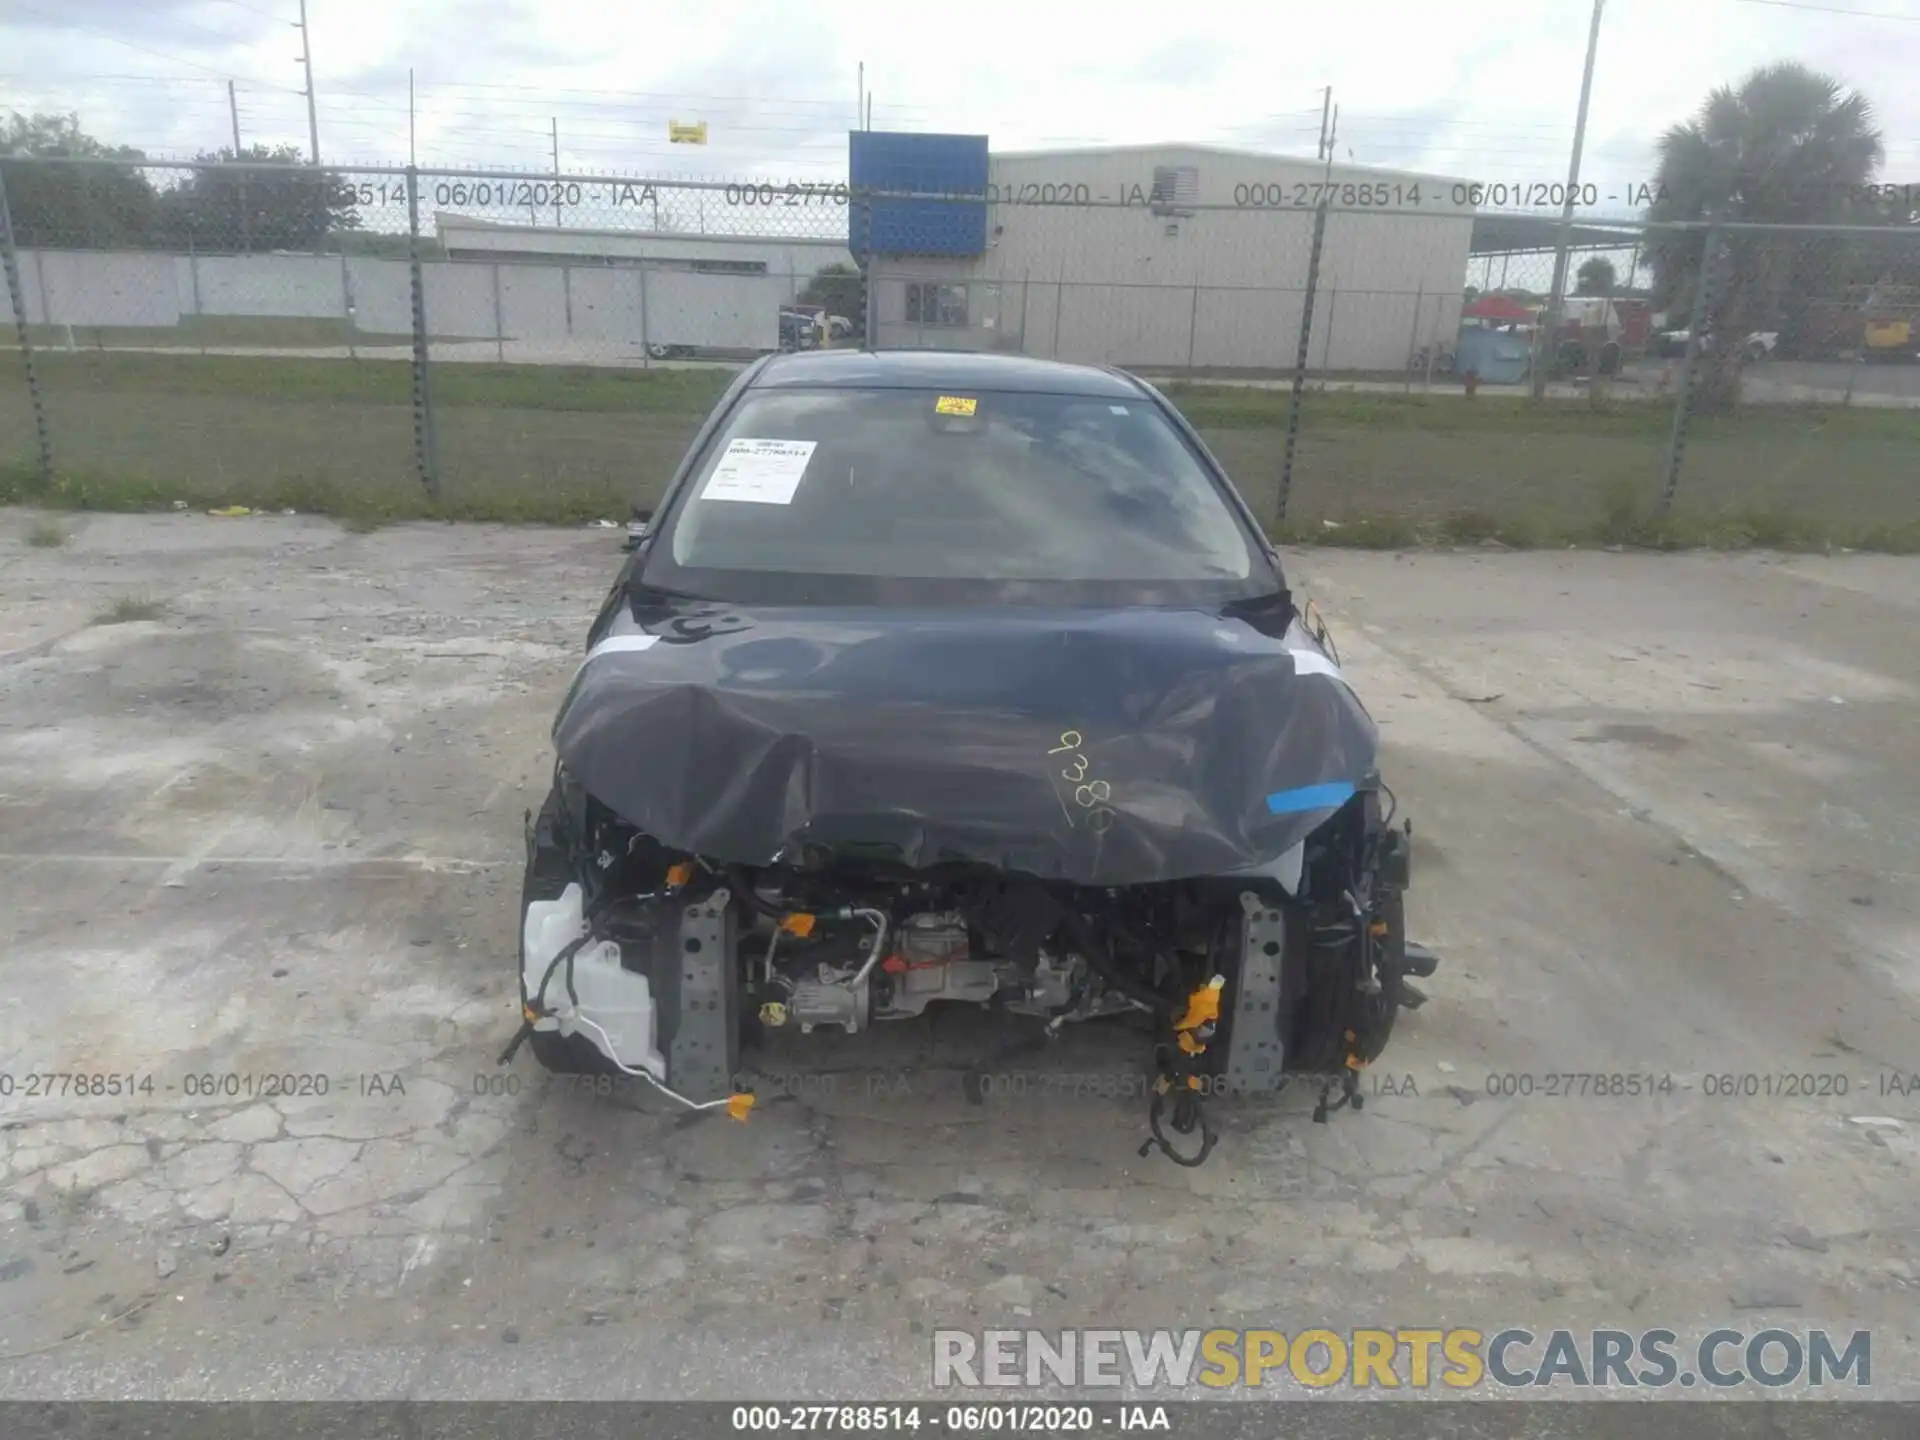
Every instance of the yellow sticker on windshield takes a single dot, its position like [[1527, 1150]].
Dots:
[[955, 405]]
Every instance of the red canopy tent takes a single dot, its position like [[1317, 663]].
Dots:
[[1499, 310]]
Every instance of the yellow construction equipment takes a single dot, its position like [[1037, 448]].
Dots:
[[1890, 322]]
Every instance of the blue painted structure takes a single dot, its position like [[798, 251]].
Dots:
[[887, 160]]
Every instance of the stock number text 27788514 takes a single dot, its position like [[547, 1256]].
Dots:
[[1306, 194]]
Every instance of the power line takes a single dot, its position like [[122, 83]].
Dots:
[[187, 102], [340, 110], [66, 24], [218, 37], [603, 139], [587, 108], [650, 94], [1832, 10], [455, 87], [114, 79], [240, 5]]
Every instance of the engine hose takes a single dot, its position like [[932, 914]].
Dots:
[[1101, 960], [743, 891]]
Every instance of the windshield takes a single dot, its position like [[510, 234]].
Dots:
[[1062, 496]]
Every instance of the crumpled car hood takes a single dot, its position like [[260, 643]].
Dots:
[[1100, 747]]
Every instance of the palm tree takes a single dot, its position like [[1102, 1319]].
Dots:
[[1787, 146]]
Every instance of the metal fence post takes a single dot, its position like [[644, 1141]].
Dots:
[[1413, 332], [1059, 304], [646, 354], [193, 274], [869, 326], [499, 329], [425, 441], [1026, 279], [347, 307], [1326, 350], [1300, 361], [1193, 322], [46, 305], [11, 259], [1710, 249]]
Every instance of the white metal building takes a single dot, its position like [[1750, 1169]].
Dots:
[[671, 289], [1173, 256], [797, 259]]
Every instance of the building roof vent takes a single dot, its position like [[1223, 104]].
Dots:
[[1176, 189]]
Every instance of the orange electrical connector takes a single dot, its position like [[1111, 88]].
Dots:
[[1195, 1027], [799, 923]]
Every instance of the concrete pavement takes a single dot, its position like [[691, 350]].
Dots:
[[259, 860]]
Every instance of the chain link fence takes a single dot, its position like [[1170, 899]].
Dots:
[[483, 343]]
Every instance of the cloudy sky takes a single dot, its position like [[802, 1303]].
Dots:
[[1484, 89]]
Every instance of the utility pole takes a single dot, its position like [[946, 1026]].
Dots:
[[412, 158], [557, 222], [1543, 336], [860, 99], [233, 112], [313, 115], [1326, 111]]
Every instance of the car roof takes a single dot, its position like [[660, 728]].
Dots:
[[940, 370]]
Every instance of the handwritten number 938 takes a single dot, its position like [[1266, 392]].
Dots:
[[1090, 795]]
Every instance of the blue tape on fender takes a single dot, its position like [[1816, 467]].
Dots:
[[1330, 796]]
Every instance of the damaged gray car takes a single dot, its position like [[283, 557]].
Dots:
[[941, 678]]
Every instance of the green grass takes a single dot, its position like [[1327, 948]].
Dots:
[[1477, 527], [380, 381], [46, 535], [129, 608], [1353, 532], [569, 444], [265, 331], [1640, 528]]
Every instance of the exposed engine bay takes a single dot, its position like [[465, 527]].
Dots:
[[799, 812], [1074, 755], [642, 960]]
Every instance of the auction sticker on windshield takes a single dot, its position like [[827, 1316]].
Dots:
[[955, 405], [763, 472]]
